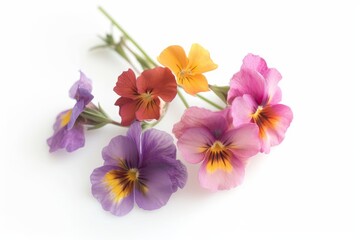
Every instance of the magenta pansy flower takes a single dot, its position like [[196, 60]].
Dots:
[[254, 96], [140, 167], [68, 128], [209, 138], [141, 97]]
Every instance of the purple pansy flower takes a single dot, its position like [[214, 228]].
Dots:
[[68, 128], [140, 167]]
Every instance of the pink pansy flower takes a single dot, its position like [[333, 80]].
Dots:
[[254, 96], [208, 137]]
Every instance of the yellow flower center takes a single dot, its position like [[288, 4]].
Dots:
[[266, 119], [218, 158], [133, 174], [65, 118], [256, 114], [121, 182]]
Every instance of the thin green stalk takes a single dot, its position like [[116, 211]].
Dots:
[[130, 62], [127, 36], [209, 102], [183, 99], [116, 123]]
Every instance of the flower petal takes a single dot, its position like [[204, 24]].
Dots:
[[84, 82], [221, 179], [177, 173], [199, 60], [107, 193], [134, 134], [173, 57], [128, 108], [192, 144], [126, 85], [70, 139], [83, 98], [156, 145], [148, 109], [243, 141], [119, 151], [194, 84], [217, 122], [248, 81], [159, 188], [272, 131], [159, 82], [242, 109], [274, 92]]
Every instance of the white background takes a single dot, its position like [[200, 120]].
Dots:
[[306, 188]]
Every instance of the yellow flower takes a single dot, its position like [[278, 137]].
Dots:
[[188, 70]]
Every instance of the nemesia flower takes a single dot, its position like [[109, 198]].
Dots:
[[208, 137], [188, 70], [140, 98], [139, 167], [68, 127], [254, 96]]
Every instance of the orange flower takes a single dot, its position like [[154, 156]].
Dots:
[[188, 70]]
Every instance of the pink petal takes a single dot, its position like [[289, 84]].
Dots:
[[126, 85], [243, 141], [248, 81], [256, 63], [220, 179], [192, 142], [242, 109], [271, 75], [217, 121], [127, 110], [274, 134], [273, 90]]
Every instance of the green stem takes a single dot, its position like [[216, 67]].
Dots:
[[183, 99], [209, 102], [127, 36], [130, 62], [116, 123]]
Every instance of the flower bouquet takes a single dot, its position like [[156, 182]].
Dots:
[[142, 167]]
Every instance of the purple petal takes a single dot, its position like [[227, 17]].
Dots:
[[192, 144], [156, 145], [177, 173], [84, 83], [121, 149], [103, 193], [159, 188], [134, 134], [70, 139]]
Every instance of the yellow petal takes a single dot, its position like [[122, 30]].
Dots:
[[194, 84], [199, 60], [173, 57]]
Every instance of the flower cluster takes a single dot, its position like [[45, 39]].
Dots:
[[142, 166]]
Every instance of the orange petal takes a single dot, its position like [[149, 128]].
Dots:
[[199, 60], [173, 57], [194, 84]]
